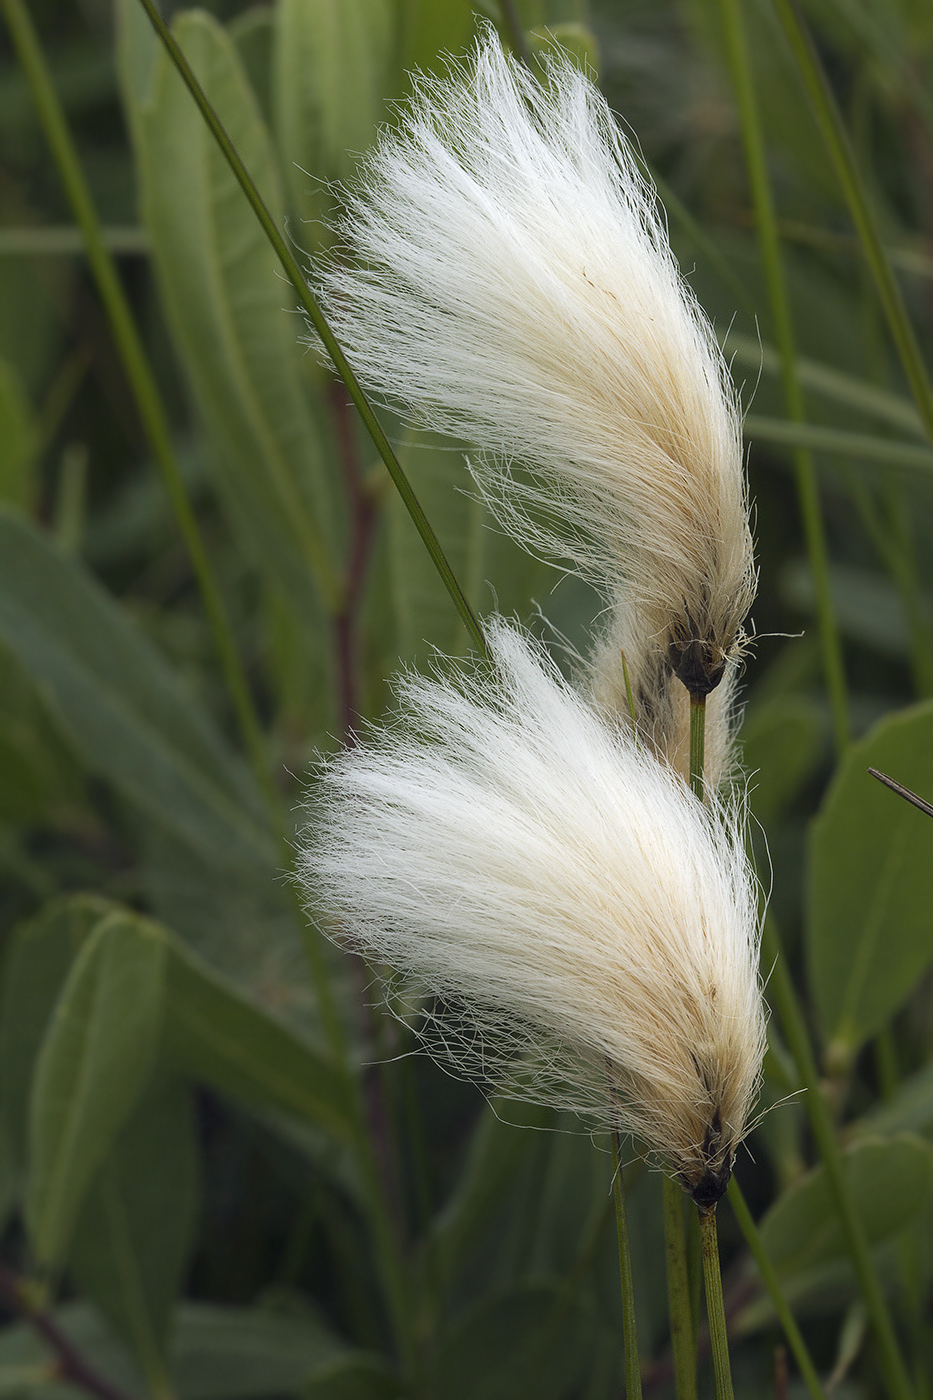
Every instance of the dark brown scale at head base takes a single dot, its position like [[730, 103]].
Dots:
[[697, 661], [714, 1181]]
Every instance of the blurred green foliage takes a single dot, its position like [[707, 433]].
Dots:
[[221, 1174]]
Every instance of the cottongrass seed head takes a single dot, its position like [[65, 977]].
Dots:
[[594, 926], [511, 282]]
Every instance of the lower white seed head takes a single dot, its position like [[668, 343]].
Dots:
[[594, 925]]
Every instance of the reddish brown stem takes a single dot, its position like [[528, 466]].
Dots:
[[71, 1365]]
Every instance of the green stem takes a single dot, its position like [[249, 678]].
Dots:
[[683, 1337], [316, 317], [834, 133], [142, 381], [769, 244], [698, 746], [715, 1307], [781, 991], [773, 1284], [629, 1331]]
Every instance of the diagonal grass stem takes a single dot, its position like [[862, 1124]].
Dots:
[[316, 317]]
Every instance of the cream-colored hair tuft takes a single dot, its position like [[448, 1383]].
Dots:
[[595, 925], [513, 285]]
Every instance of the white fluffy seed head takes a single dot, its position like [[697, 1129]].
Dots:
[[594, 925], [513, 285]]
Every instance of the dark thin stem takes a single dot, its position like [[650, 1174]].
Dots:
[[902, 791], [362, 530], [72, 1366], [318, 321]]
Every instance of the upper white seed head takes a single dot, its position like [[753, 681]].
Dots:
[[512, 284]]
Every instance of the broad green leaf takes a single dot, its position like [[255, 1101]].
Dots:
[[92, 1065], [533, 1340], [37, 959], [333, 70], [133, 1235], [870, 882], [18, 440], [216, 1036], [429, 31], [228, 307], [126, 713], [781, 744], [354, 1377], [216, 1353], [237, 1353], [910, 1109], [889, 1181]]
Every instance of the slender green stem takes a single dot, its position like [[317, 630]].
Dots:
[[629, 1331], [781, 991], [141, 379], [773, 1284], [769, 244], [698, 746], [829, 120], [316, 317], [683, 1336], [715, 1308]]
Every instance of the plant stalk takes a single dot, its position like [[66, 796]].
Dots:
[[629, 1332], [683, 1335], [715, 1307]]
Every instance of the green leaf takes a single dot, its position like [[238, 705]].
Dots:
[[332, 76], [133, 1236], [870, 882], [781, 744], [18, 440], [236, 1353], [94, 1060], [216, 1353], [227, 307], [126, 713], [430, 30], [533, 1340], [889, 1181], [910, 1108], [215, 1035], [354, 1377], [38, 957]]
